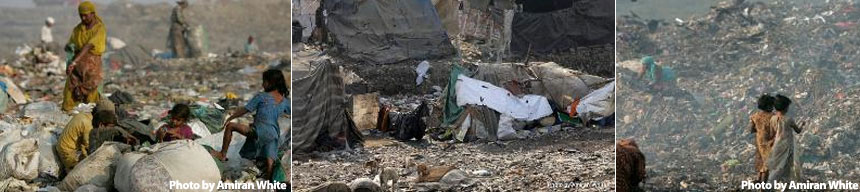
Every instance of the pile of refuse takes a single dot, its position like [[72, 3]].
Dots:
[[525, 114], [142, 92], [724, 61]]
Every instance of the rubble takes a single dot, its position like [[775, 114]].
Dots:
[[725, 59], [541, 158], [572, 155], [146, 92]]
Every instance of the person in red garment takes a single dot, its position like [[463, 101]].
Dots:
[[177, 127]]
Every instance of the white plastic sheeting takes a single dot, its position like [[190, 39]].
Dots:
[[529, 107], [598, 104], [421, 70]]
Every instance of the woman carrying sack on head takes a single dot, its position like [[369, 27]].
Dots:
[[85, 70]]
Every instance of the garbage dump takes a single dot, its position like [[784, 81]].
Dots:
[[142, 87], [724, 60], [477, 119]]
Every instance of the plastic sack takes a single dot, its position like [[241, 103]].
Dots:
[[20, 160], [97, 169]]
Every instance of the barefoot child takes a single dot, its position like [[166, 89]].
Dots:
[[262, 141]]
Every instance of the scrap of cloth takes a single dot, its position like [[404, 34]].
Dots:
[[83, 83], [529, 107]]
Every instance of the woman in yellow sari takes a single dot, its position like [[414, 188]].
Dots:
[[85, 71]]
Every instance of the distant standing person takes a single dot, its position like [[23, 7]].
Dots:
[[251, 46], [780, 164], [88, 42], [178, 27], [47, 37]]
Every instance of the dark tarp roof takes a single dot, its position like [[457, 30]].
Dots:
[[587, 23], [383, 31]]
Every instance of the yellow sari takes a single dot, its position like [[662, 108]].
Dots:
[[82, 84]]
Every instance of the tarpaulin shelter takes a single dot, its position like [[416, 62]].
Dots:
[[382, 31], [324, 122], [303, 12], [585, 23], [548, 80]]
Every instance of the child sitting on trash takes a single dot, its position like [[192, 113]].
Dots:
[[74, 141], [262, 135], [176, 128]]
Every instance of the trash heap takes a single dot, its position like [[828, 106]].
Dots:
[[475, 163], [724, 60], [143, 91]]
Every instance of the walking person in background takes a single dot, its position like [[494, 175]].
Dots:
[[178, 27]]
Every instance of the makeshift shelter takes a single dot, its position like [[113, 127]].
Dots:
[[325, 122], [387, 31], [303, 12], [541, 83], [546, 28]]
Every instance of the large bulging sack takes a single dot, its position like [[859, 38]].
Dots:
[[183, 161], [97, 169], [122, 177], [20, 160], [49, 164]]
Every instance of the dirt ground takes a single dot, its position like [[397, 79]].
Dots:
[[543, 163]]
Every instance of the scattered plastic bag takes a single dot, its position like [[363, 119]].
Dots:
[[506, 129], [422, 72]]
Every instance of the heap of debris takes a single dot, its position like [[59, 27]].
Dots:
[[143, 91], [724, 61]]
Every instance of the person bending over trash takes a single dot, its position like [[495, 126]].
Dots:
[[74, 141], [177, 127], [262, 134], [761, 127], [780, 164], [105, 129], [659, 77], [87, 43]]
